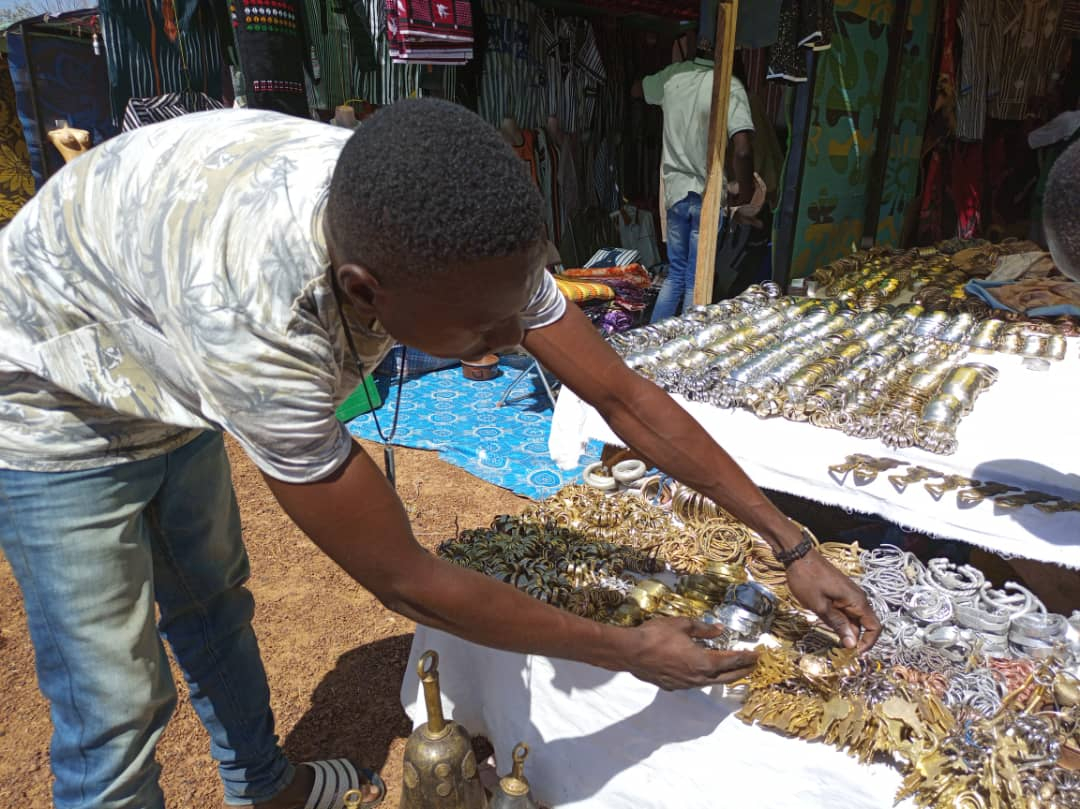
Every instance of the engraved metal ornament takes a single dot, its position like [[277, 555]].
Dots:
[[439, 771]]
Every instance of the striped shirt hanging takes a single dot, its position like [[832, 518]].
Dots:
[[572, 70], [155, 48], [975, 23], [1029, 49], [511, 80], [146, 111]]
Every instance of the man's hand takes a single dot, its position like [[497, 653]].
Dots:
[[839, 602], [669, 657], [356, 518]]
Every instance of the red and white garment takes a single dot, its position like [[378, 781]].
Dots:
[[430, 31]]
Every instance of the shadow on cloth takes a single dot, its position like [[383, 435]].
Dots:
[[356, 710], [507, 701], [1051, 527]]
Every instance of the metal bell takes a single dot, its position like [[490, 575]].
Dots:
[[514, 791], [439, 771]]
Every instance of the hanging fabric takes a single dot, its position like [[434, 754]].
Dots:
[[572, 70], [16, 181], [272, 43], [68, 82], [1030, 47], [977, 62], [393, 81], [146, 111], [756, 24], [512, 82], [152, 49], [341, 46], [434, 32]]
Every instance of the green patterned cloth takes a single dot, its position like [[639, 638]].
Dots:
[[843, 131]]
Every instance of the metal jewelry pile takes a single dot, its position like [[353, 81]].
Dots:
[[947, 620], [969, 492], [935, 277], [896, 374], [971, 689], [1016, 756], [624, 558]]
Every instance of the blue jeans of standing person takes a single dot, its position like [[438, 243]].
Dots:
[[683, 224], [93, 551]]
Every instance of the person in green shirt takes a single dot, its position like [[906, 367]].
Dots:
[[683, 91]]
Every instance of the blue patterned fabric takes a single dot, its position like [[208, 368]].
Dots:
[[71, 83], [506, 445]]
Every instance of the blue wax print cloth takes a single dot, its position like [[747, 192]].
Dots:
[[458, 417]]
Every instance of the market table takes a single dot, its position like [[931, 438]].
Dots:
[[601, 739], [1024, 431]]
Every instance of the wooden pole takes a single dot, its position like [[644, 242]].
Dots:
[[727, 11]]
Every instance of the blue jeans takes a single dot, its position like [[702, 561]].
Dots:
[[93, 551], [683, 224]]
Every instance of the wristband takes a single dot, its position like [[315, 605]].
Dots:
[[792, 555]]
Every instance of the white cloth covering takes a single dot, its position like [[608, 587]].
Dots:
[[600, 740], [1024, 430]]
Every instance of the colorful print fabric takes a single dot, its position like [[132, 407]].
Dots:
[[843, 131], [16, 181]]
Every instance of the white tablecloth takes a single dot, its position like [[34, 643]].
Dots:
[[1024, 431], [611, 741]]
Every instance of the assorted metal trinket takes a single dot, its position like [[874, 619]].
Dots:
[[896, 374], [942, 618], [1010, 757], [955, 659], [934, 279], [603, 557], [864, 469], [439, 770]]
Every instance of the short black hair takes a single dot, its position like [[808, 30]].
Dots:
[[1061, 203], [424, 184]]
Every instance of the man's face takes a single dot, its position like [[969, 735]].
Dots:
[[467, 312], [1061, 258]]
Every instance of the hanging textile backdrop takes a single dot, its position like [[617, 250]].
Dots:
[[69, 82], [909, 121], [843, 131], [159, 48], [16, 181]]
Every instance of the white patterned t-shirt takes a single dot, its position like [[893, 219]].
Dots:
[[176, 279]]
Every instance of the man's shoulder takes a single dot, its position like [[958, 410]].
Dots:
[[189, 137]]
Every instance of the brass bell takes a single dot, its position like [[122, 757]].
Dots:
[[439, 771], [514, 791]]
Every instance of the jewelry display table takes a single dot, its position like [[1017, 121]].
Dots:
[[611, 741], [1023, 431]]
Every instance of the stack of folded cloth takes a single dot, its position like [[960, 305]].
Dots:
[[433, 32], [612, 297]]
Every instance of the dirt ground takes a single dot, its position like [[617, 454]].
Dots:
[[334, 656]]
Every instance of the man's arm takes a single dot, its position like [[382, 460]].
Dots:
[[742, 162], [355, 517], [650, 422]]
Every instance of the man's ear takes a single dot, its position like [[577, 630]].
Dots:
[[359, 286]]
